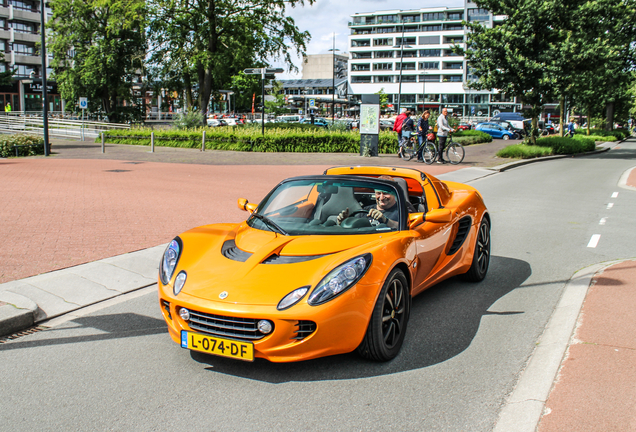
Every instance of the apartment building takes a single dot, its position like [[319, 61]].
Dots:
[[19, 33], [409, 52]]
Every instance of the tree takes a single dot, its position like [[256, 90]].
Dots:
[[276, 106], [245, 87], [6, 77], [98, 50], [384, 100], [216, 39]]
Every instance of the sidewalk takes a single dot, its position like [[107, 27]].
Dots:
[[81, 227]]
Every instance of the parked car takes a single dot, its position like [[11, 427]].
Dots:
[[464, 126], [495, 130], [386, 124], [317, 121], [300, 279], [212, 122]]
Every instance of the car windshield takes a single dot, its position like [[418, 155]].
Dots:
[[312, 207]]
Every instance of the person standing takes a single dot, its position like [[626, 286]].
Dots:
[[443, 129], [422, 130], [408, 126], [7, 108], [397, 127], [570, 129]]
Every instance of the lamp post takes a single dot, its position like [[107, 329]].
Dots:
[[45, 113], [333, 80], [401, 46]]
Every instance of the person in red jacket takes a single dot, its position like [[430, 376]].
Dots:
[[397, 127]]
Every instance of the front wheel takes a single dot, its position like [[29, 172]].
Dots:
[[429, 153], [387, 326], [505, 137], [455, 153]]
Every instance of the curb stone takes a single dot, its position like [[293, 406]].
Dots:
[[16, 313]]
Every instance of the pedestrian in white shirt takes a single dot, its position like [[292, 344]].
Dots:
[[443, 129]]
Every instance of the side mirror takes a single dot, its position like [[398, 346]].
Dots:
[[244, 205], [415, 219], [438, 216]]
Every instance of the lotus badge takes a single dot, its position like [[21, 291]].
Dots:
[[223, 295]]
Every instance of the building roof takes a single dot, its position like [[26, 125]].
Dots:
[[311, 83]]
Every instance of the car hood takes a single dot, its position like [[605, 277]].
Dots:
[[254, 267]]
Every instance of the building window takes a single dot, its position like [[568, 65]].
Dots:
[[453, 65], [454, 39], [383, 79], [429, 78], [452, 98], [383, 42], [23, 70], [429, 40], [408, 98], [23, 49], [409, 78], [452, 78], [478, 15], [407, 54], [360, 42], [430, 28], [382, 66], [385, 30], [435, 16], [450, 53], [501, 97], [477, 98], [455, 16], [22, 27], [23, 5], [386, 19], [430, 98], [407, 41], [357, 67], [429, 65], [364, 20], [361, 55], [430, 53], [410, 18], [3, 45], [453, 27], [3, 23], [360, 79], [383, 54], [405, 66]]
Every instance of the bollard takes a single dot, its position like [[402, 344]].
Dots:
[[152, 142], [103, 145], [203, 141]]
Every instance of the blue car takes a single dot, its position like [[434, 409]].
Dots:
[[317, 122], [495, 130]]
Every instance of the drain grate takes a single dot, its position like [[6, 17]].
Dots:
[[117, 170], [132, 163], [5, 339]]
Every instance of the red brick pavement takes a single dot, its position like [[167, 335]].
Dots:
[[631, 180], [58, 213]]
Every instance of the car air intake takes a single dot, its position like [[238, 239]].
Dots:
[[463, 228], [224, 326], [231, 251], [305, 328]]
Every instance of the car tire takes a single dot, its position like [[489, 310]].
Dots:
[[505, 137], [481, 255], [387, 327]]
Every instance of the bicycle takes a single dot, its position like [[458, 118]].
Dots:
[[427, 149], [454, 151]]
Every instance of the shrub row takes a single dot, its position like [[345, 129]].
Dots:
[[548, 146], [28, 145], [602, 135], [299, 140]]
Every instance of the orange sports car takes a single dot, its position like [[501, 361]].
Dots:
[[325, 264]]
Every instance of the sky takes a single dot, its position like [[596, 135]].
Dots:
[[326, 17]]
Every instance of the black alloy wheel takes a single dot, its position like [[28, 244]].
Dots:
[[389, 320], [481, 256]]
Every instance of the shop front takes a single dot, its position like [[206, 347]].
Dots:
[[33, 97]]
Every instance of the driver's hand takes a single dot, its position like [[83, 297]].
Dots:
[[343, 215], [377, 215]]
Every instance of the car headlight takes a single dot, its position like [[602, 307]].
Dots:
[[170, 260], [292, 298], [340, 279]]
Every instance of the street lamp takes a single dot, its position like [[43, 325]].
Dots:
[[333, 80], [45, 113], [401, 46]]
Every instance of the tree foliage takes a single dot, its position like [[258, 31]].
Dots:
[[98, 51], [204, 43]]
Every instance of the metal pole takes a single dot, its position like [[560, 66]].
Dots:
[[401, 67], [103, 144], [263, 100], [45, 112], [333, 81], [152, 142], [203, 141]]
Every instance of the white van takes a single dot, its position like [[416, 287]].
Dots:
[[288, 119]]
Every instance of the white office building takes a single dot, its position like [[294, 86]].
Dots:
[[409, 52]]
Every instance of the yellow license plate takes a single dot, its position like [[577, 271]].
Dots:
[[217, 346]]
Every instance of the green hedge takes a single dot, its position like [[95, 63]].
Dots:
[[602, 135], [548, 146], [473, 133], [31, 145], [299, 140]]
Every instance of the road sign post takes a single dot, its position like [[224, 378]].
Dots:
[[83, 103], [265, 73]]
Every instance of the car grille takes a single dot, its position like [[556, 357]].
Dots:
[[166, 306], [463, 229], [224, 326], [305, 328]]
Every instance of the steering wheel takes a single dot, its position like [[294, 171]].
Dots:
[[352, 222]]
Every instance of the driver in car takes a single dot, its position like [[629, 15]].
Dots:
[[384, 211]]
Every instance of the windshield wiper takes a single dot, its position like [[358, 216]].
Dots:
[[270, 223]]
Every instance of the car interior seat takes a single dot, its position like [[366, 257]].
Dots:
[[335, 200], [409, 206]]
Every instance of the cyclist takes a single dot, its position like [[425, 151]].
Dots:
[[422, 130], [442, 134]]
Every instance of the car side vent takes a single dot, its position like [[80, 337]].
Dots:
[[463, 228], [230, 251], [305, 328], [280, 259]]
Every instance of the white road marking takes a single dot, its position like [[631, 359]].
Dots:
[[615, 195], [594, 241], [602, 222], [610, 205]]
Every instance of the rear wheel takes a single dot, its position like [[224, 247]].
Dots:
[[481, 256], [390, 316], [410, 148], [455, 153]]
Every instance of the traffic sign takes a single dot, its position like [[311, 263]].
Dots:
[[274, 70], [259, 71], [256, 71], [83, 103], [312, 103]]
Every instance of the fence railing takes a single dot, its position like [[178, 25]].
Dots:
[[60, 128]]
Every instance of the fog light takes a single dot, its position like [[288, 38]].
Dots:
[[264, 326], [179, 282], [184, 314]]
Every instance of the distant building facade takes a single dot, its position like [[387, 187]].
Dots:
[[320, 66]]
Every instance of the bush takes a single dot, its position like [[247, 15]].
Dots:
[[32, 145], [524, 151], [189, 120], [602, 135], [548, 146], [473, 133]]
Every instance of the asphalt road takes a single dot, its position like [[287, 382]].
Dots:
[[117, 369]]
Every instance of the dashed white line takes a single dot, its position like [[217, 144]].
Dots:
[[610, 205], [602, 222], [615, 195], [594, 241]]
